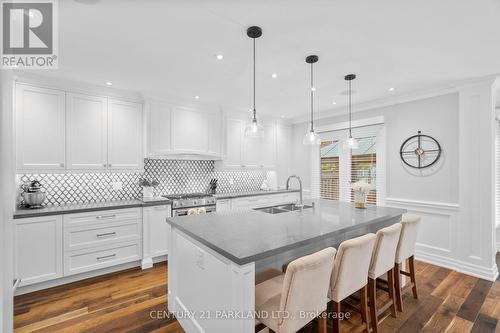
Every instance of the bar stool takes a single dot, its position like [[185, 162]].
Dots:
[[282, 301], [384, 252], [406, 250], [349, 275]]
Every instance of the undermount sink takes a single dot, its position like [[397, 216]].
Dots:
[[282, 208]]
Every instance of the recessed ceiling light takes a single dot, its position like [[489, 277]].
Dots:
[[392, 89], [219, 57], [196, 97], [334, 103], [274, 75], [108, 83], [282, 116]]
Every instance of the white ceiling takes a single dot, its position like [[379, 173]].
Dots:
[[168, 48]]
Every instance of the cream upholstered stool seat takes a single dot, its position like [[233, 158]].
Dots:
[[349, 274], [384, 251], [281, 301], [406, 251]]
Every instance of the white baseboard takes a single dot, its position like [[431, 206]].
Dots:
[[458, 265]]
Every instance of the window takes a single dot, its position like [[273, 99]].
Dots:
[[364, 166], [339, 168], [329, 179]]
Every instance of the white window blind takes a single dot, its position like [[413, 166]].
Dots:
[[364, 166]]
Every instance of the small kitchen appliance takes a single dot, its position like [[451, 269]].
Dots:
[[32, 195]]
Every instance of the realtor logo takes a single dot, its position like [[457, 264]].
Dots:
[[29, 34]]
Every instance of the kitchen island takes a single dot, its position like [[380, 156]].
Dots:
[[214, 258]]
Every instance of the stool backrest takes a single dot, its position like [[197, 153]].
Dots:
[[384, 250], [408, 238], [350, 270], [305, 288]]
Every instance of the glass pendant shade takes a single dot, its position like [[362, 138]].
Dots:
[[351, 143], [254, 130], [311, 138]]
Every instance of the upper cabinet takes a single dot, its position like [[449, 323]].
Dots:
[[40, 128], [124, 135], [178, 130], [86, 124], [57, 131], [244, 152]]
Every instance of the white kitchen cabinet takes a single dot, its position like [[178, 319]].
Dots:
[[189, 131], [159, 129], [40, 128], [283, 151], [156, 233], [86, 128], [247, 152], [125, 121], [215, 133], [38, 249], [234, 143]]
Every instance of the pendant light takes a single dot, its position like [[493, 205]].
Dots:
[[254, 129], [311, 137], [350, 142]]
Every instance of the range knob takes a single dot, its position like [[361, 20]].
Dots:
[[195, 202]]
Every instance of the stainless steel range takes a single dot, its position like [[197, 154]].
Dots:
[[191, 203]]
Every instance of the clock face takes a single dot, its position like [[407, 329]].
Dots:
[[420, 151]]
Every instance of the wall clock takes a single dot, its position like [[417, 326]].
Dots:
[[420, 151]]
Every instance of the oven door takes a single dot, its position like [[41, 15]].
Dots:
[[186, 211]]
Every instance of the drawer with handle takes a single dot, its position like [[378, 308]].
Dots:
[[100, 257], [104, 216], [88, 236]]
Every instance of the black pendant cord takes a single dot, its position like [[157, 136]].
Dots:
[[254, 110], [312, 98], [350, 114]]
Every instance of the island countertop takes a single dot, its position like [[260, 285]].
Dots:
[[250, 235]]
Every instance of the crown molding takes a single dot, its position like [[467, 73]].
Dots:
[[452, 88]]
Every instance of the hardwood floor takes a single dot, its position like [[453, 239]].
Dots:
[[124, 301]]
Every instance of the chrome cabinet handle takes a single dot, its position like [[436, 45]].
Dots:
[[106, 234], [105, 216], [106, 257]]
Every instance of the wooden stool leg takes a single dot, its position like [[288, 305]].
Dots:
[[397, 287], [372, 296], [363, 298], [336, 320], [412, 276], [390, 286], [322, 323]]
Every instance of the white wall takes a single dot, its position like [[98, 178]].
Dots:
[[448, 236], [6, 200]]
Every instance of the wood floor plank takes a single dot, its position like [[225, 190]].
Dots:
[[484, 324], [444, 315], [459, 325], [421, 316], [470, 309]]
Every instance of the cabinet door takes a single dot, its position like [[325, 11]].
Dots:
[[223, 205], [156, 231], [40, 122], [268, 147], [252, 152], [215, 134], [283, 151], [38, 249], [234, 142], [124, 135], [86, 138], [189, 131], [160, 129]]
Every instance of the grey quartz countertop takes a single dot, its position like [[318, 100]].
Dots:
[[250, 235], [251, 194], [88, 207]]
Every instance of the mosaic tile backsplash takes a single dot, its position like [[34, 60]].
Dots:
[[174, 176]]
